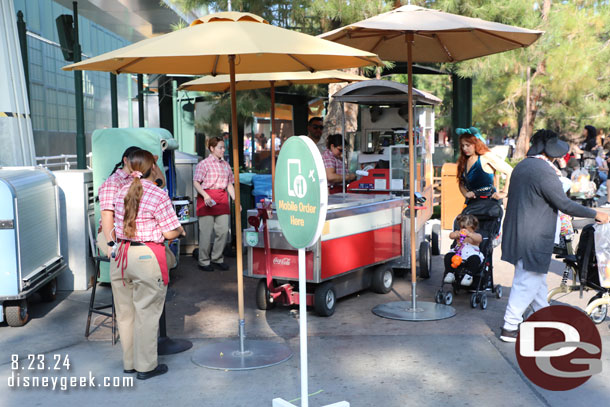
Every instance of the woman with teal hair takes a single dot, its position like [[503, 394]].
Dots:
[[477, 166]]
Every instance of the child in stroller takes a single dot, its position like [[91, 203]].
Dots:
[[478, 275], [465, 255]]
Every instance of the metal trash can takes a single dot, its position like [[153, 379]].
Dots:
[[185, 169]]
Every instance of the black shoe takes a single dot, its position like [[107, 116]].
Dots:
[[509, 336], [220, 266], [206, 268], [159, 370], [130, 371]]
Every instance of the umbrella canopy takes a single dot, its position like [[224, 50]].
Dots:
[[437, 36], [221, 83], [382, 92], [417, 34], [204, 47]]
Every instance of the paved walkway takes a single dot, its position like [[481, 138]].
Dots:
[[353, 355]]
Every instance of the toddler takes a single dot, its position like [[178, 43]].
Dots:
[[468, 249]]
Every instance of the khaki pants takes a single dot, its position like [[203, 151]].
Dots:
[[138, 297], [219, 225]]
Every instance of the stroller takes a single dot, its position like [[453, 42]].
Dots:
[[582, 265], [489, 212]]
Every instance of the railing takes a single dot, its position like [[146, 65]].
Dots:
[[60, 162]]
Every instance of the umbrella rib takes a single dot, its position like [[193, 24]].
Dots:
[[120, 69], [501, 37], [310, 69], [440, 42], [215, 65]]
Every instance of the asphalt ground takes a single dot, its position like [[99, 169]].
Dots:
[[353, 355]]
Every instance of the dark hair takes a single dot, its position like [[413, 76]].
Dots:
[[542, 136], [334, 139], [467, 221], [591, 132], [314, 119], [213, 142], [142, 161], [126, 154]]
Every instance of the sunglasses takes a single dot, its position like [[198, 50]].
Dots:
[[318, 127]]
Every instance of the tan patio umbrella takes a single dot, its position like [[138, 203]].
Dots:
[[229, 42], [221, 83], [416, 34]]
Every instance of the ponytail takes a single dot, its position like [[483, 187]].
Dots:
[[141, 163], [128, 151], [132, 204]]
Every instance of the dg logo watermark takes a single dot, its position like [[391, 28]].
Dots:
[[559, 348]]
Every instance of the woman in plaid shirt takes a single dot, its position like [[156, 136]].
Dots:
[[213, 179], [333, 163], [144, 218]]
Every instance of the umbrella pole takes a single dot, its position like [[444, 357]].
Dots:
[[401, 310], [343, 142], [272, 139], [240, 274], [411, 179], [259, 354]]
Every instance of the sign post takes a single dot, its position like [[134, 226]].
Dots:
[[301, 201]]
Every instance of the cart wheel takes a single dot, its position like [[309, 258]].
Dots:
[[383, 279], [598, 315], [263, 299], [49, 291], [425, 260], [498, 291], [16, 313], [325, 299], [474, 301], [435, 239], [438, 298], [448, 298], [483, 301]]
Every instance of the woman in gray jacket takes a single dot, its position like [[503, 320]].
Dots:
[[534, 197]]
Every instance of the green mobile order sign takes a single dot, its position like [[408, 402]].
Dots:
[[301, 193]]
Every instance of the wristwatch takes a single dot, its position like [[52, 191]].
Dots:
[[110, 243]]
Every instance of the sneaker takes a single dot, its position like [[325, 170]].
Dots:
[[509, 336], [206, 268], [221, 266], [449, 278], [606, 205], [466, 281]]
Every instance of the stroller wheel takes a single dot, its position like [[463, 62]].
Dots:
[[598, 315], [498, 291], [483, 301], [448, 298], [438, 298], [474, 300]]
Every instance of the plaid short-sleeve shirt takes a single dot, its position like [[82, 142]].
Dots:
[[110, 188], [330, 161], [156, 214], [213, 173]]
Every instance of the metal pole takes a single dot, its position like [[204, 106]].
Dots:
[[140, 100], [303, 328], [411, 176], [114, 104], [81, 144], [343, 142], [129, 97], [272, 140], [23, 42]]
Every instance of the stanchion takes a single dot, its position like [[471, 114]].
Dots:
[[167, 345]]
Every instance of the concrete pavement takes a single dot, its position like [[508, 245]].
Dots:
[[353, 355]]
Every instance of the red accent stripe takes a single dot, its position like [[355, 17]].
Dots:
[[359, 250]]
